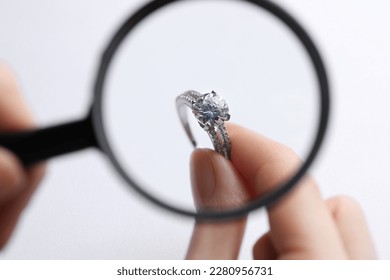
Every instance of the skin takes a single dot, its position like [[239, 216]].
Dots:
[[302, 225], [17, 184]]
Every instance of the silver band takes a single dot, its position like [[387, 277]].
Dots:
[[211, 112]]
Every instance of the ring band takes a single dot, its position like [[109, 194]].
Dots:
[[211, 111]]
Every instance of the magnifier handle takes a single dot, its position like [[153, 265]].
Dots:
[[37, 145]]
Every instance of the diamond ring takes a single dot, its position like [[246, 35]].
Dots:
[[211, 111]]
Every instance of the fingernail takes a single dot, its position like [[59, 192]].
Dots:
[[202, 177]]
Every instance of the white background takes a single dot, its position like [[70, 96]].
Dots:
[[82, 209]]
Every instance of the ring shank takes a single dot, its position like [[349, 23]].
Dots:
[[182, 102]]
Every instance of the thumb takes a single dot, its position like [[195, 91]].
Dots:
[[216, 186]]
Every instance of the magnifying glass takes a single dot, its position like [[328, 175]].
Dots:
[[252, 52]]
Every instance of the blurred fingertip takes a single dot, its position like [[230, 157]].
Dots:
[[12, 176], [37, 172], [14, 113], [7, 75]]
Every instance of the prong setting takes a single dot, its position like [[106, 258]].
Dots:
[[211, 111]]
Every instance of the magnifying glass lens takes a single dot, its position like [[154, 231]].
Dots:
[[245, 54]]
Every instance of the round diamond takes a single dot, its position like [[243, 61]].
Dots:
[[211, 110]]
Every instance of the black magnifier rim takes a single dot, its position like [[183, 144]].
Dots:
[[270, 198]]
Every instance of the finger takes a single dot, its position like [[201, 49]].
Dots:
[[14, 116], [14, 113], [264, 249], [11, 210], [352, 226], [12, 177], [216, 185], [300, 223]]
